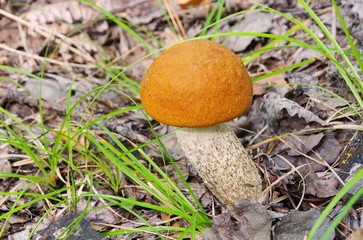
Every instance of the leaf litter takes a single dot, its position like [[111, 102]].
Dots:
[[285, 122]]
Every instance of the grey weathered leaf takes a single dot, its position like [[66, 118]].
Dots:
[[275, 105], [297, 224], [253, 22], [302, 144], [253, 223]]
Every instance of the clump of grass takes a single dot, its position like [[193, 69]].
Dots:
[[47, 157], [114, 160]]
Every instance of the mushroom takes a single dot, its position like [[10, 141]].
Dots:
[[185, 3], [199, 85]]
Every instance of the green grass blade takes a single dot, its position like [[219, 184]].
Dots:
[[121, 23], [356, 54], [333, 203]]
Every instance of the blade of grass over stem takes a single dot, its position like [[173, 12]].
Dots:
[[171, 160], [144, 170]]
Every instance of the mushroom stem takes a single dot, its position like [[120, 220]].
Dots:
[[222, 162]]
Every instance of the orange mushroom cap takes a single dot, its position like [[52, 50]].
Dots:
[[185, 3], [196, 84]]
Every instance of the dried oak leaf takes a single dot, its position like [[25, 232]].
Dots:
[[276, 82], [243, 220], [275, 104], [248, 24], [322, 185], [300, 144], [59, 228], [356, 235], [324, 149], [296, 224]]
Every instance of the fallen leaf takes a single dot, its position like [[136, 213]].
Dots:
[[52, 91], [301, 144], [276, 82], [59, 229], [275, 104], [322, 148], [243, 220], [102, 215], [296, 224], [258, 22], [258, 89], [322, 184], [5, 165], [320, 99], [356, 235], [24, 234], [356, 7]]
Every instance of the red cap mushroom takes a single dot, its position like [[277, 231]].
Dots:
[[199, 85]]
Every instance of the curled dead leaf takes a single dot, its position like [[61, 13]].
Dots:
[[275, 104], [260, 87], [356, 235]]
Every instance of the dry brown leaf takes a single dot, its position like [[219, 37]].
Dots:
[[5, 165], [356, 7], [259, 22], [24, 234], [322, 185], [260, 87], [69, 11], [57, 226], [52, 91], [316, 153], [302, 144], [356, 235], [275, 104], [243, 220], [297, 223]]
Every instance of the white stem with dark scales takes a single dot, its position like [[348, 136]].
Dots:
[[222, 162]]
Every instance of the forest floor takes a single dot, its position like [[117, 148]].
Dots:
[[301, 130]]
